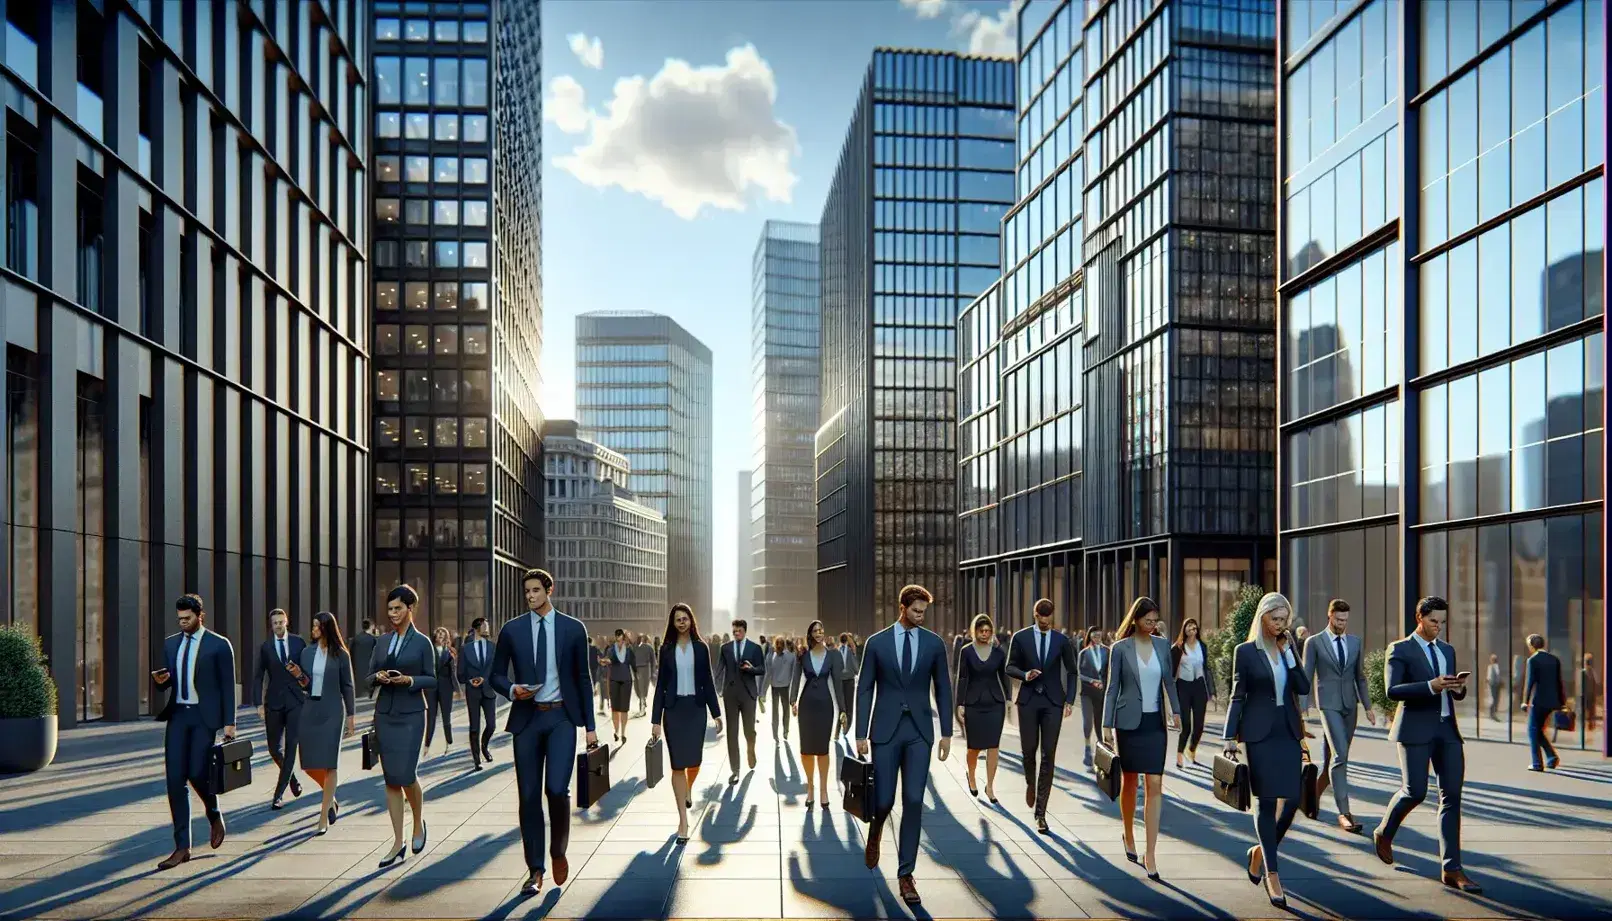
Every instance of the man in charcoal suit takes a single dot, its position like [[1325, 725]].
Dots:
[[198, 671], [738, 678], [281, 709], [1543, 693], [476, 674]]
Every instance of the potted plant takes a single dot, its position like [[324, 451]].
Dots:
[[1376, 661], [27, 703], [1223, 643]]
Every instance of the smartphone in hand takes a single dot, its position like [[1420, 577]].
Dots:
[[1462, 676], [160, 676]]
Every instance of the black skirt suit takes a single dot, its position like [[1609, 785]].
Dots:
[[816, 692], [681, 716], [400, 711], [982, 692], [1269, 730]]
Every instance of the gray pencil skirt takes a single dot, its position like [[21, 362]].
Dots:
[[400, 736]]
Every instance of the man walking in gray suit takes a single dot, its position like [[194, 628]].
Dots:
[[476, 674], [1337, 672]]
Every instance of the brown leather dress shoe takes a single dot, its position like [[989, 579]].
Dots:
[[875, 833], [562, 870], [1347, 823], [1455, 879], [216, 823], [179, 856], [909, 890], [1384, 846]]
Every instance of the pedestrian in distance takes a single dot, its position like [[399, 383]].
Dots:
[[982, 695]]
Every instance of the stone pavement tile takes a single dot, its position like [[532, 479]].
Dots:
[[1141, 898], [14, 845], [293, 865], [729, 867], [698, 849], [240, 898], [25, 899], [653, 865], [601, 898], [422, 897], [14, 865], [942, 898], [727, 898], [1024, 898]]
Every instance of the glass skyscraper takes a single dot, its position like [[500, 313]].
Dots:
[[925, 175], [1443, 314], [185, 310], [458, 306], [781, 506], [644, 390], [1117, 395]]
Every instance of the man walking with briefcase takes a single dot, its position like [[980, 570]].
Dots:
[[199, 673]]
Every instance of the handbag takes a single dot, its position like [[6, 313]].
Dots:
[[372, 749], [1107, 769], [1309, 786], [229, 766], [593, 775], [856, 774], [1231, 784], [654, 763], [1565, 720]]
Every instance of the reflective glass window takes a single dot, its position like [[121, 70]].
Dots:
[[415, 253], [387, 169], [386, 295], [388, 80], [417, 340], [475, 295], [386, 385], [447, 127], [446, 90], [387, 210], [475, 83], [416, 211], [416, 432], [387, 29], [448, 254], [416, 30], [447, 338], [417, 126], [388, 431], [386, 339], [417, 81], [415, 295], [445, 479], [447, 295], [475, 255], [446, 212], [476, 129], [447, 434], [475, 479], [388, 124], [475, 339], [475, 213], [417, 169], [447, 30], [447, 169], [475, 32], [475, 432]]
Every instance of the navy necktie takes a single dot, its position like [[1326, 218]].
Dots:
[[542, 652], [908, 663], [1043, 643], [1339, 641], [184, 668], [1432, 659], [282, 650]]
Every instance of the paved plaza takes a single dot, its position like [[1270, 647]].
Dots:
[[81, 840]]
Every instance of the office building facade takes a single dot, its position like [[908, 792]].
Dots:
[[644, 390], [457, 132], [606, 550], [1443, 314], [744, 596], [782, 505], [185, 314], [1117, 396], [925, 175]]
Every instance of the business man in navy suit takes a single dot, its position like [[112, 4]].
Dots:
[[199, 673], [1421, 677], [1543, 693], [1043, 660], [901, 664], [281, 707], [551, 696]]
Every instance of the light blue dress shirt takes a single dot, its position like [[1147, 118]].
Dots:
[[549, 692]]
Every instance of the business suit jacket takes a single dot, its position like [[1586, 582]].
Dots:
[[886, 690], [215, 679], [980, 693], [417, 658], [1543, 688], [666, 683], [470, 666], [729, 673], [1253, 710], [1122, 694], [619, 669], [283, 692], [1339, 687], [1093, 666], [1056, 684], [1406, 675], [363, 650], [1177, 651], [573, 654]]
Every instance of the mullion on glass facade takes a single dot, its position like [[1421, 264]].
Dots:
[[1443, 328]]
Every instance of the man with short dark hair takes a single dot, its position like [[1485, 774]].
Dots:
[[1420, 675], [738, 676], [199, 673], [1044, 662], [281, 707], [475, 673], [850, 662], [643, 660], [1543, 693], [1334, 662]]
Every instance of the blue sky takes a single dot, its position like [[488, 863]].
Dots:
[[673, 130]]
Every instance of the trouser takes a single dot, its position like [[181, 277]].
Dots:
[[1445, 754], [281, 726], [847, 697], [1091, 714], [740, 709], [904, 755], [640, 681], [545, 757], [1270, 826], [1040, 723], [1494, 702], [780, 709], [1337, 735], [1194, 698], [602, 688], [1538, 720], [186, 744], [483, 707], [444, 706]]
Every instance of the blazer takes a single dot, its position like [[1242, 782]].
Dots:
[[470, 666], [363, 653], [1253, 710], [1338, 687], [987, 692], [1177, 651], [447, 678], [619, 669], [1406, 676], [1122, 695], [573, 653], [417, 658], [643, 657], [803, 672], [1543, 688], [1093, 667], [886, 691], [283, 693], [1056, 684], [338, 676], [215, 679], [781, 667], [850, 662], [731, 675], [666, 681]]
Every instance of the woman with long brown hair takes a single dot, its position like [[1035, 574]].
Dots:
[[327, 677], [1134, 719], [1194, 685], [814, 696], [684, 689], [441, 699]]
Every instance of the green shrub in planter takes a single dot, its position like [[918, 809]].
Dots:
[[1223, 643], [26, 691], [1376, 661]]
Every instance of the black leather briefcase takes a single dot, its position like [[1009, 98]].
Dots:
[[1309, 787], [1231, 782], [229, 766], [372, 750], [593, 775], [1106, 768], [654, 762], [856, 774]]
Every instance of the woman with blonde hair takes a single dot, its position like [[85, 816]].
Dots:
[[982, 696], [440, 701], [1267, 681], [1134, 720]]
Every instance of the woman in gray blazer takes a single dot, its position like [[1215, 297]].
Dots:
[[1134, 719], [1267, 681], [327, 714], [405, 670], [780, 672]]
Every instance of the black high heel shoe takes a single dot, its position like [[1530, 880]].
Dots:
[[1151, 874], [395, 858], [1129, 854], [332, 813], [973, 792], [1252, 876], [419, 843], [1277, 901]]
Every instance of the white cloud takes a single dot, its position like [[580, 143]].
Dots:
[[994, 35], [925, 9], [688, 137], [590, 51]]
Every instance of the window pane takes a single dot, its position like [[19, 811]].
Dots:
[[448, 254], [476, 129], [475, 213], [447, 128], [447, 82], [416, 30], [387, 30], [386, 295], [388, 124], [446, 478], [417, 126], [447, 339], [386, 385], [447, 434], [388, 80], [475, 83], [387, 210], [475, 479], [475, 295], [476, 33], [447, 295], [447, 30], [475, 340], [476, 170], [417, 81], [415, 211], [417, 169], [447, 169], [475, 433], [415, 295], [447, 212], [386, 339], [417, 340], [475, 255]]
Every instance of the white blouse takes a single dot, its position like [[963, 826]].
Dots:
[[1149, 674], [1279, 666], [317, 681], [1191, 668], [683, 657]]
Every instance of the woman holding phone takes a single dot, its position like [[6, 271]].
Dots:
[[326, 673], [405, 671]]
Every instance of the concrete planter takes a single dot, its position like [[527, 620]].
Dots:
[[26, 745]]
